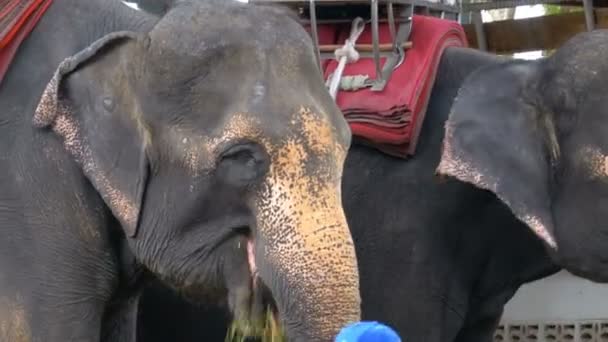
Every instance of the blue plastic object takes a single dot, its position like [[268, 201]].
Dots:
[[370, 331]]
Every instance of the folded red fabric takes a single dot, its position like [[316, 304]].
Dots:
[[390, 120], [17, 19]]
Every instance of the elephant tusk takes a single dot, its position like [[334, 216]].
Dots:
[[251, 260]]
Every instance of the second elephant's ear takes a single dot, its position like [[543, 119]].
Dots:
[[110, 147], [497, 138]]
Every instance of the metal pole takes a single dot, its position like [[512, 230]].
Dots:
[[589, 19], [315, 35], [391, 20], [480, 33], [376, 37]]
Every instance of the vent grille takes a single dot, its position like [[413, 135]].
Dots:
[[574, 331]]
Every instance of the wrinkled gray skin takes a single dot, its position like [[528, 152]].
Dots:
[[181, 150], [438, 258], [538, 140]]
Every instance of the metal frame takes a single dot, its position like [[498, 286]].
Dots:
[[418, 3], [398, 15]]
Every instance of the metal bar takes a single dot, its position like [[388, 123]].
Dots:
[[419, 3], [464, 6], [391, 20], [394, 59], [345, 21], [482, 42], [362, 54], [461, 18], [376, 37], [315, 34], [365, 47], [489, 5], [589, 17], [459, 14]]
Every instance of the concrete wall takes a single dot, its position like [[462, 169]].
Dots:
[[558, 309], [559, 297]]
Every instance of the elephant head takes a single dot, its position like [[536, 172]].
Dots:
[[214, 143], [534, 134]]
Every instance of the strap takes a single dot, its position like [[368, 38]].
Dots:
[[395, 59]]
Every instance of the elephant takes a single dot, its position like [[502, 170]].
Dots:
[[438, 258], [538, 142], [137, 148]]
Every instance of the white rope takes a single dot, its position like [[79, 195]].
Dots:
[[346, 54]]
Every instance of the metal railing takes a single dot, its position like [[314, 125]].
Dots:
[[398, 14]]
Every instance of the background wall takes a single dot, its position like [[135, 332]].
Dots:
[[559, 308]]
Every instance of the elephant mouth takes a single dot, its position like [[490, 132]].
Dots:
[[256, 317], [261, 294]]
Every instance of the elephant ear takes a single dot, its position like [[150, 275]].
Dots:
[[497, 138], [109, 147]]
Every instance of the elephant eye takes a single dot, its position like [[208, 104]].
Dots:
[[240, 154], [243, 163]]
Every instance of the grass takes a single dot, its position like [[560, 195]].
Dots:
[[267, 330]]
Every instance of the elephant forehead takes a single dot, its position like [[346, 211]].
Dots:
[[290, 66], [196, 150], [595, 162], [304, 131], [13, 323]]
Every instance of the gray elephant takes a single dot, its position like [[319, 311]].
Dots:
[[121, 162], [438, 258], [537, 139]]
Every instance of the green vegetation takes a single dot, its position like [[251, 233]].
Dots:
[[557, 9], [266, 331]]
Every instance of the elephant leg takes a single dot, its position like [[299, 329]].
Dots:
[[69, 322], [77, 314], [70, 314], [483, 318], [417, 311], [39, 310], [120, 320], [70, 296]]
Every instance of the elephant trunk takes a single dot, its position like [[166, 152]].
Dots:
[[305, 253]]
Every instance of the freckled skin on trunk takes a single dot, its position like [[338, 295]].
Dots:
[[304, 243]]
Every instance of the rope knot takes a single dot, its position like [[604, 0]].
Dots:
[[346, 54], [348, 51]]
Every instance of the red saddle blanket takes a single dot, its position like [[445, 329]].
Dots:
[[17, 20], [390, 120]]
